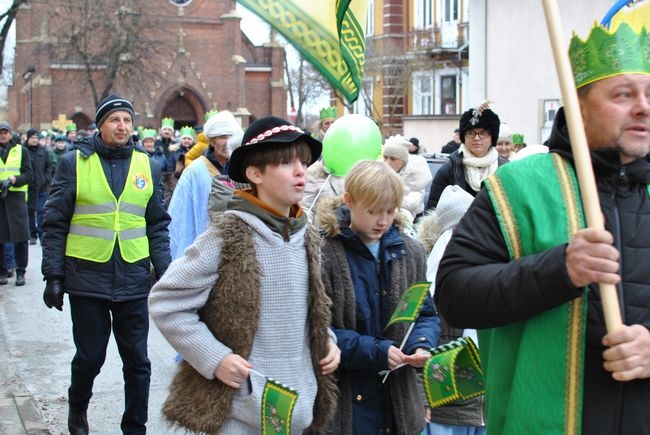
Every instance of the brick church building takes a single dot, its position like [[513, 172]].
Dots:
[[203, 62]]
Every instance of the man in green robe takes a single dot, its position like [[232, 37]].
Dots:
[[522, 268]]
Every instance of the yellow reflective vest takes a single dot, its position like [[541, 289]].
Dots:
[[99, 220], [12, 167]]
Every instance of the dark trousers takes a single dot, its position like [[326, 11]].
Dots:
[[91, 329], [21, 251], [36, 216]]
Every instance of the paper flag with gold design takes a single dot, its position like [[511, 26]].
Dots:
[[409, 305], [278, 402], [453, 373], [328, 33]]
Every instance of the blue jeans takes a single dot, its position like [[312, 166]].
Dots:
[[36, 216], [433, 428], [15, 256], [91, 329], [9, 256]]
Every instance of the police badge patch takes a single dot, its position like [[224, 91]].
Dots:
[[140, 181]]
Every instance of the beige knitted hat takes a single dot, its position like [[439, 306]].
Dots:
[[397, 146]]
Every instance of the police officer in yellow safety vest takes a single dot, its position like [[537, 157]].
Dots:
[[104, 228], [15, 174]]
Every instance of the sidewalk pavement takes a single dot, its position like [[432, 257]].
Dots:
[[19, 412], [36, 349]]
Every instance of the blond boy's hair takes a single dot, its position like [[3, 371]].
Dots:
[[374, 184]]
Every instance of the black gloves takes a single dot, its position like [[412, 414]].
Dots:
[[4, 188], [53, 294]]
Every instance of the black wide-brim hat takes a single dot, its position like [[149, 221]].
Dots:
[[265, 132]]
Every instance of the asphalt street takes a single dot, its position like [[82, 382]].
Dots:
[[36, 348]]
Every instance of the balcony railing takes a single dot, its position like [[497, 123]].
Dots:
[[448, 36]]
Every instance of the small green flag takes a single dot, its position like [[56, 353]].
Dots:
[[453, 373], [278, 402], [409, 305]]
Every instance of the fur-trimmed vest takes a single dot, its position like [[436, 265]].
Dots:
[[231, 313]]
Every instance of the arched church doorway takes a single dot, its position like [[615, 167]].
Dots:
[[184, 106]]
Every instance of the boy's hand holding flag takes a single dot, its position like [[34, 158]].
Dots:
[[407, 310]]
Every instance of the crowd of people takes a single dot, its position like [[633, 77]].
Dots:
[[255, 262]]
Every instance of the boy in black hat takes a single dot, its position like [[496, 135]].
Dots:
[[251, 305]]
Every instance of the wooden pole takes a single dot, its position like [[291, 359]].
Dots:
[[580, 150]]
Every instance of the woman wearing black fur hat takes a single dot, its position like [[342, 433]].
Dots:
[[476, 159]]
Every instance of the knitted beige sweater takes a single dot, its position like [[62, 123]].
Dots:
[[281, 345]]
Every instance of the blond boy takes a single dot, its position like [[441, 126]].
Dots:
[[367, 263]]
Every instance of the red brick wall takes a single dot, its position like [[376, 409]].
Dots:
[[208, 72]]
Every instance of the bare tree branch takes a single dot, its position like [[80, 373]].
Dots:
[[112, 41], [389, 62], [9, 16], [307, 85]]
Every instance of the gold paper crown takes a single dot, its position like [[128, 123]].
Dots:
[[210, 114], [167, 122], [328, 113], [609, 53], [187, 131]]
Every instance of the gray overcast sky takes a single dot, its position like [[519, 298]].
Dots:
[[253, 26]]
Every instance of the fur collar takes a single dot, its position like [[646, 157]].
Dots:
[[332, 214]]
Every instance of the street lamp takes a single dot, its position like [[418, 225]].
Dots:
[[28, 75]]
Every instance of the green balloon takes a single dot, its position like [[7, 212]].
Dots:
[[350, 139]]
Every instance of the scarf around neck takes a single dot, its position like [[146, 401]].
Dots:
[[244, 200], [478, 169]]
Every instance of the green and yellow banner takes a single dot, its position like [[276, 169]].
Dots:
[[328, 33]]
